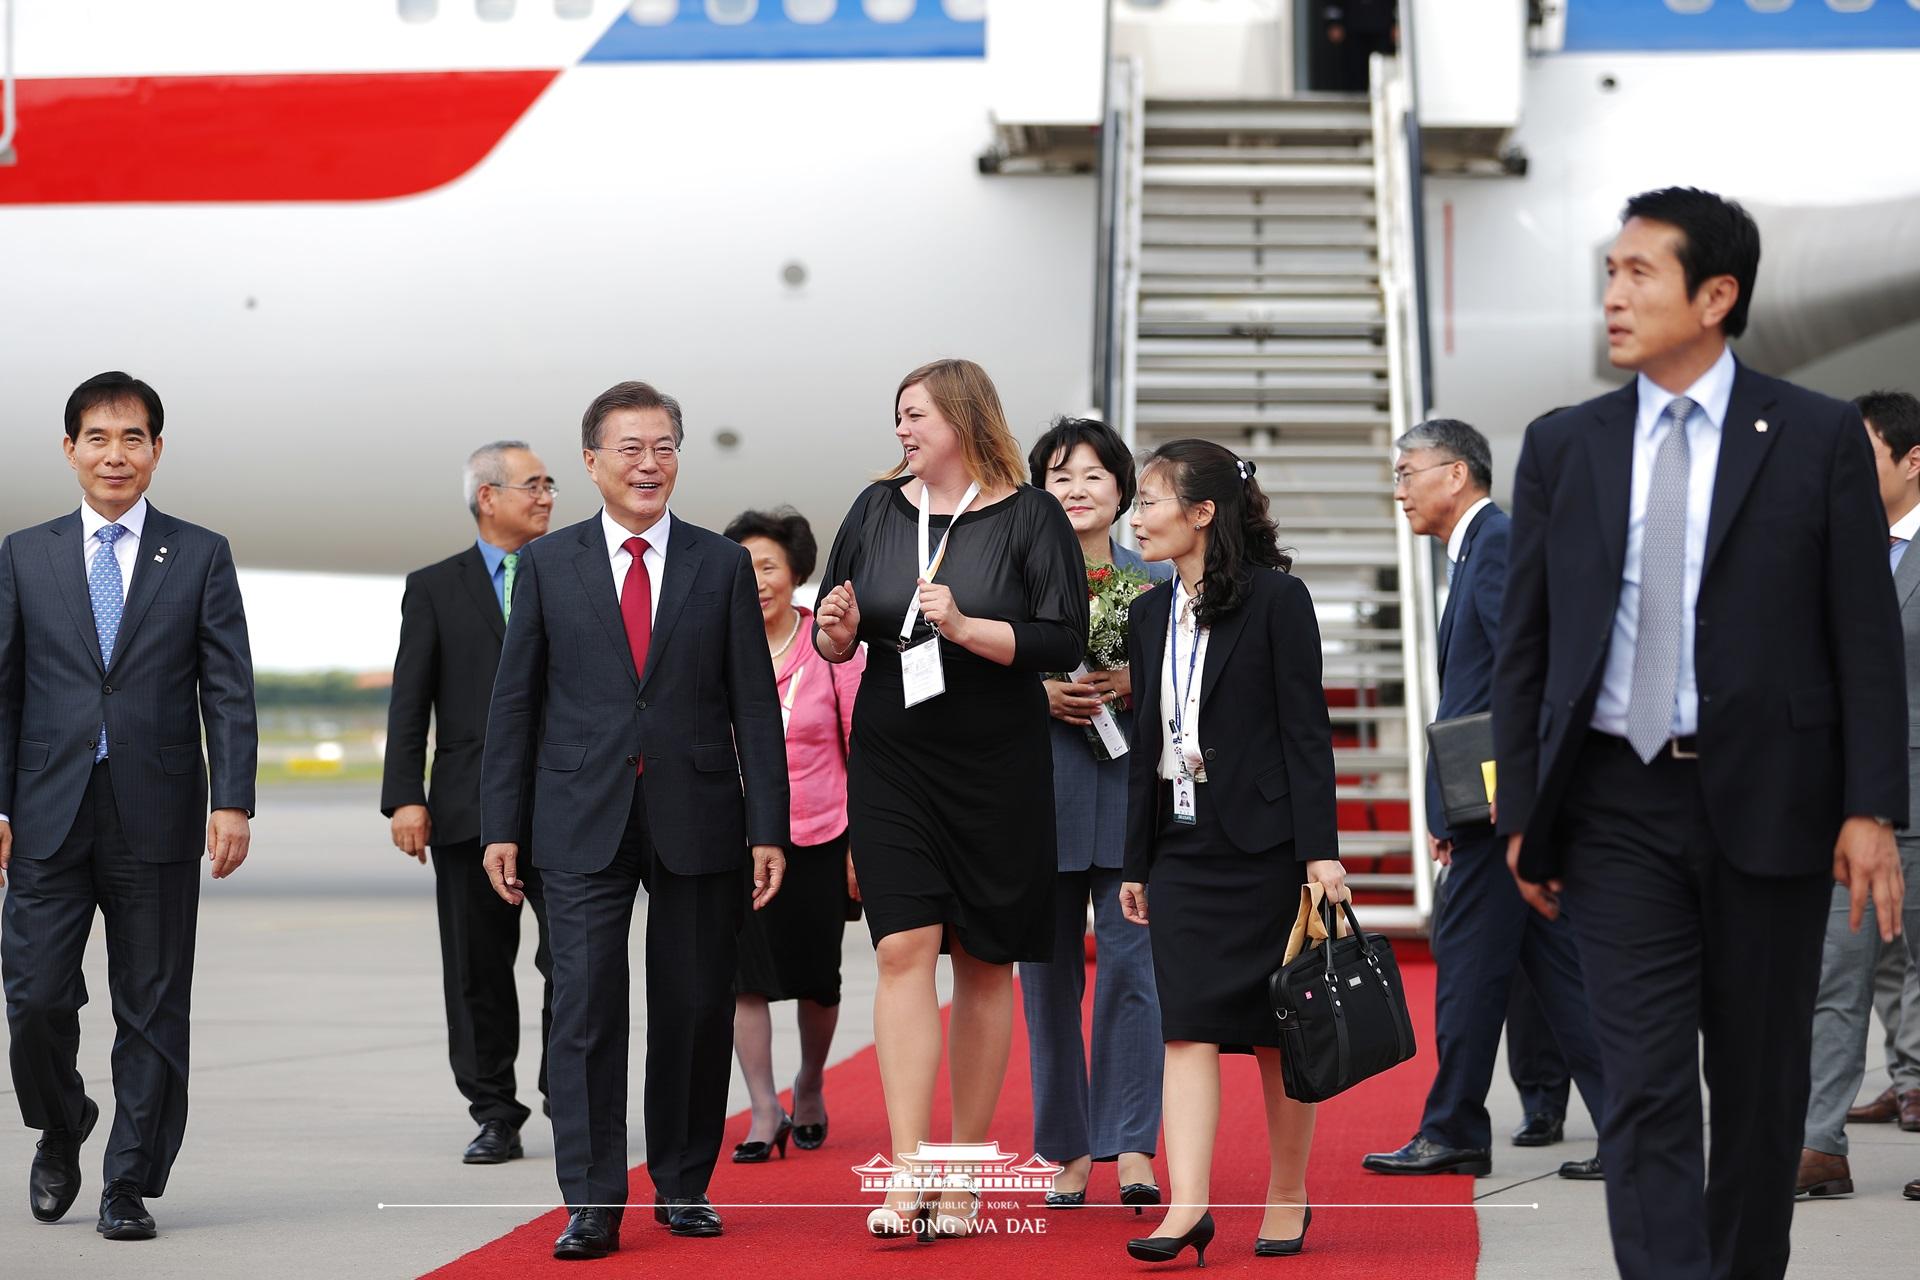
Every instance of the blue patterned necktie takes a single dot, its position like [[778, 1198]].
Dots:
[[103, 584], [1663, 569]]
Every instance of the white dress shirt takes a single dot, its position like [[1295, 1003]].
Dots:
[[126, 550], [1905, 529], [655, 558], [1711, 396], [1193, 649], [1458, 538]]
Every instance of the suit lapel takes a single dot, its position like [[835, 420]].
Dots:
[[150, 565], [1153, 648], [683, 565], [1457, 588], [67, 554], [1742, 450], [479, 584], [1610, 454], [596, 579], [1907, 576], [1221, 637]]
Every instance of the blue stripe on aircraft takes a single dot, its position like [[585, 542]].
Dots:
[[927, 33], [1642, 26]]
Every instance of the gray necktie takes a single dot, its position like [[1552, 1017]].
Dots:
[[1663, 569]]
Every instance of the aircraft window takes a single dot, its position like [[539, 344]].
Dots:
[[494, 10], [1853, 6], [809, 12], [965, 10], [1778, 6], [573, 9], [888, 10], [419, 10], [731, 13], [1689, 6], [653, 13]]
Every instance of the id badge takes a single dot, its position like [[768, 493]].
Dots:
[[920, 674], [1183, 807]]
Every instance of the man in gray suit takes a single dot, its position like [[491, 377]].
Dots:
[[1849, 957], [121, 638]]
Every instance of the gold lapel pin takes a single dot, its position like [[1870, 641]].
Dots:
[[1760, 425]]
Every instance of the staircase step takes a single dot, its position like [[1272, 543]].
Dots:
[[1321, 151], [1187, 387], [1318, 210], [1293, 455], [1337, 634], [1347, 552], [1374, 844], [1258, 177], [1351, 761], [1158, 414], [1358, 666], [1276, 116], [1159, 286], [1203, 231]]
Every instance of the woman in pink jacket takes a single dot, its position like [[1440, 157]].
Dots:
[[791, 950]]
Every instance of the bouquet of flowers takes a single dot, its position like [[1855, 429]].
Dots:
[[1110, 590]]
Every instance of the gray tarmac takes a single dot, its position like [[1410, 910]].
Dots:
[[321, 1091]]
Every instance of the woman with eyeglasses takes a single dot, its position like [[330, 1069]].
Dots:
[[966, 585], [1230, 808]]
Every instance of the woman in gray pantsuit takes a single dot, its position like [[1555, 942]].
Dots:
[[1114, 1113]]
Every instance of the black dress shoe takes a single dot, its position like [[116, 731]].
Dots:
[[1167, 1248], [761, 1152], [122, 1215], [1423, 1155], [1265, 1248], [590, 1233], [53, 1184], [690, 1216], [1583, 1170], [1539, 1130], [1139, 1195], [811, 1137], [496, 1143]]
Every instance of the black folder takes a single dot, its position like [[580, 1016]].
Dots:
[[1462, 751]]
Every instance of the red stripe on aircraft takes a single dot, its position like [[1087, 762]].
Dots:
[[258, 137]]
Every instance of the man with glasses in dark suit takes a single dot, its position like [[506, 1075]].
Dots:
[[452, 621]]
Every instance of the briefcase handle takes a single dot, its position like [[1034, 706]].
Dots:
[[1353, 923]]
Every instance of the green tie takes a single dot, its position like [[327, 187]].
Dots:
[[512, 564]]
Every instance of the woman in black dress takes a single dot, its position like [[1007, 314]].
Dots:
[[950, 775], [1230, 809]]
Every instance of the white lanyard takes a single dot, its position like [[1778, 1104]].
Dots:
[[1179, 719], [931, 562]]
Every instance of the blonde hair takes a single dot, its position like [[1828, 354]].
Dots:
[[966, 398]]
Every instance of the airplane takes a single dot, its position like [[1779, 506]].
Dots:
[[348, 240]]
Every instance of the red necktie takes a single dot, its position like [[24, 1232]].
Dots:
[[636, 610]]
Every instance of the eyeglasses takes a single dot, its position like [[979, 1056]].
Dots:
[[664, 453], [532, 488], [1400, 476], [1144, 505]]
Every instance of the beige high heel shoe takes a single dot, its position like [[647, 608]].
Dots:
[[946, 1223], [888, 1223]]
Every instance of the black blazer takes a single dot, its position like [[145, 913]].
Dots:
[[180, 664], [1797, 646], [1268, 743], [451, 630], [1469, 629], [566, 698]]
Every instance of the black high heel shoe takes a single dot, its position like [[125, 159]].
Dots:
[[811, 1137], [1167, 1248], [761, 1152], [1265, 1248], [1139, 1195]]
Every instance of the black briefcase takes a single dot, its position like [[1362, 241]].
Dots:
[[1342, 1011], [1462, 751]]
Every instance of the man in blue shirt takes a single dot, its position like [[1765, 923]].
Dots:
[[452, 622]]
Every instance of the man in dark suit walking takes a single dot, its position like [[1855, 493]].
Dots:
[[452, 621], [1698, 710], [634, 714], [122, 638], [1483, 934]]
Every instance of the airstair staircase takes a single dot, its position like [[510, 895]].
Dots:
[[1262, 296]]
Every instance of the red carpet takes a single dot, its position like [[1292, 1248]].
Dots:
[[794, 1243]]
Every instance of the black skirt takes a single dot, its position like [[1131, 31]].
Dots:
[[790, 949], [1219, 919]]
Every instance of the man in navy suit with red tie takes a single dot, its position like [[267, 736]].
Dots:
[[635, 682], [1698, 713]]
